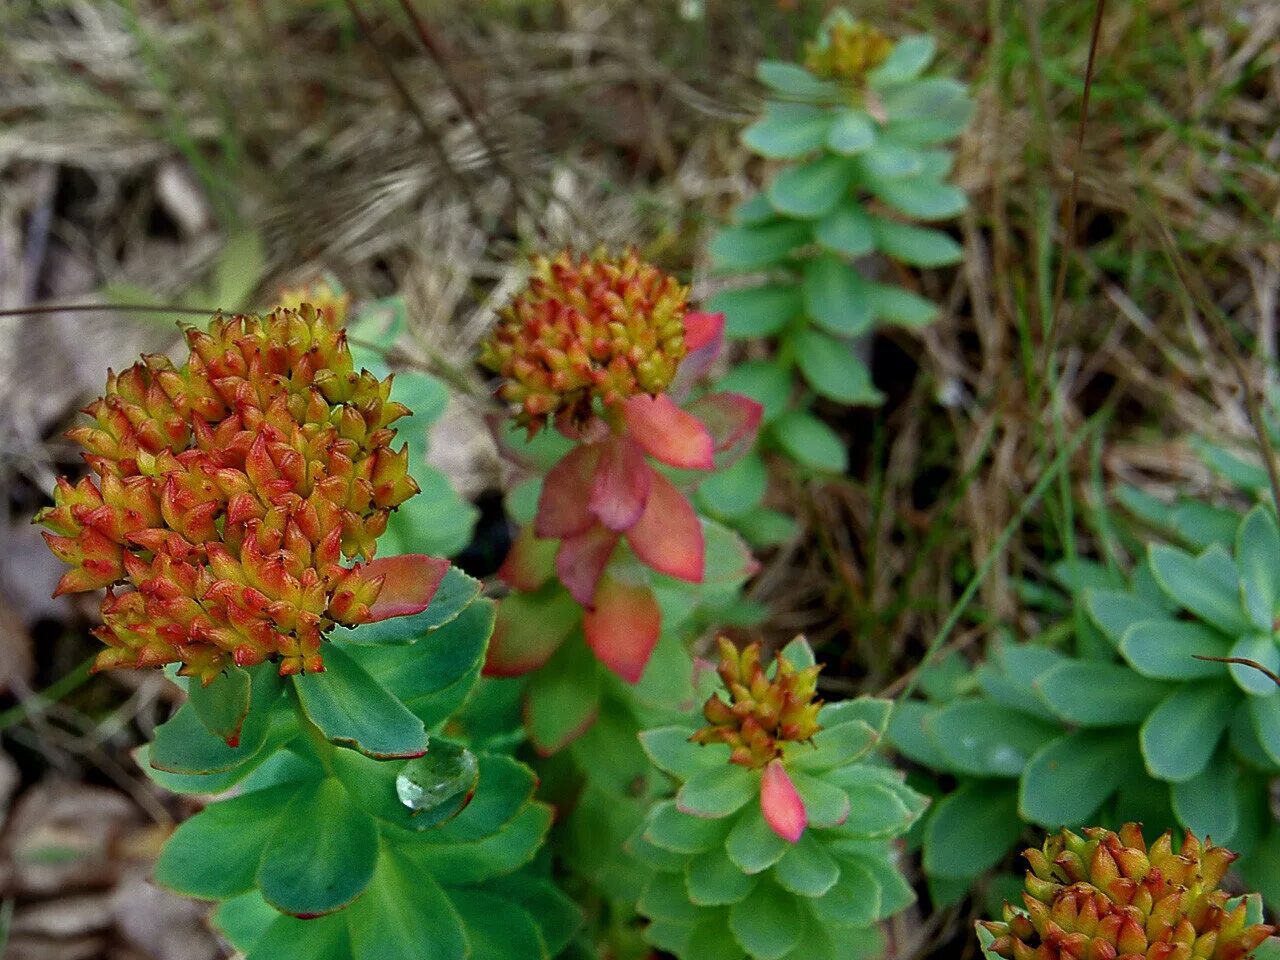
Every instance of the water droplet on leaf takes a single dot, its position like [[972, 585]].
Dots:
[[438, 785]]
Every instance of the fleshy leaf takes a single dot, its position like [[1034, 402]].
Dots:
[[352, 709], [703, 339], [716, 791], [437, 786], [566, 491], [667, 433], [563, 699], [454, 594], [669, 537], [781, 804], [409, 582], [732, 419], [620, 488], [623, 628], [581, 560], [529, 628], [530, 562], [223, 704]]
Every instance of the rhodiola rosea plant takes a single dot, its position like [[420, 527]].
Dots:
[[615, 560], [780, 839], [233, 518], [857, 133]]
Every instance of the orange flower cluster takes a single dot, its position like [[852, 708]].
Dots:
[[1107, 896], [847, 51], [765, 713], [228, 492], [587, 330]]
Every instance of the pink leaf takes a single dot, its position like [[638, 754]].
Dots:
[[667, 433], [530, 562], [703, 340], [562, 505], [581, 560], [668, 537], [732, 421], [621, 485], [409, 582], [623, 628], [781, 804]]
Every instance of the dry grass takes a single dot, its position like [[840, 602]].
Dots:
[[133, 143]]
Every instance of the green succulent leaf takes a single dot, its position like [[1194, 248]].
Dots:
[[215, 854], [322, 853], [825, 803], [833, 747], [852, 133], [752, 247], [452, 862], [1208, 804], [1257, 547], [1167, 649], [665, 898], [833, 370], [788, 130], [184, 745], [405, 915], [972, 829], [670, 750], [812, 190], [563, 698], [1069, 778], [1201, 586], [794, 81], [326, 938], [1115, 611], [224, 703], [668, 828], [751, 843], [807, 869], [908, 59], [736, 490], [835, 297], [1260, 648], [1092, 694], [846, 230], [713, 880], [353, 710], [853, 900], [918, 246], [928, 111], [892, 161], [810, 442], [717, 791], [757, 311], [755, 209], [1266, 724], [768, 922], [901, 307], [1182, 733], [922, 199], [987, 739], [497, 929]]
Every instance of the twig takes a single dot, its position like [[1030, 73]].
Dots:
[[1245, 662], [95, 307]]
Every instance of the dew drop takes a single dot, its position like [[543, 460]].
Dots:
[[437, 786]]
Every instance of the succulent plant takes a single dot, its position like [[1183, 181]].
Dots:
[[857, 134], [603, 350], [780, 841], [229, 491], [1108, 896]]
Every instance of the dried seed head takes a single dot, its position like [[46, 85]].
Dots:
[[584, 334], [1107, 895], [228, 492], [762, 713]]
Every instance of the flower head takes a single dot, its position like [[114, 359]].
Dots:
[[333, 302], [763, 713], [1108, 896], [585, 334], [229, 490], [846, 49]]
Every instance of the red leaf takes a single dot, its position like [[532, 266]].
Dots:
[[703, 340], [732, 420], [530, 562], [621, 485], [667, 433], [623, 628], [409, 582], [668, 537], [562, 505], [782, 807], [527, 631], [582, 558]]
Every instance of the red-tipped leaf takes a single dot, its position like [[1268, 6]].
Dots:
[[703, 340], [669, 537], [581, 560], [562, 505], [781, 804], [530, 562], [528, 629], [409, 582], [623, 628], [732, 420], [667, 433], [620, 488]]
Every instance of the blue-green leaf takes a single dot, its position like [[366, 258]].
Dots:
[[788, 130]]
